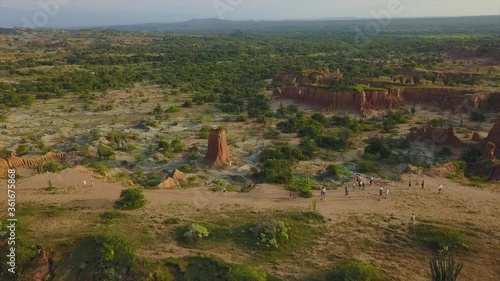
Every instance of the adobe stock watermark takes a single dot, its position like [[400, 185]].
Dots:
[[48, 10], [223, 6], [380, 19]]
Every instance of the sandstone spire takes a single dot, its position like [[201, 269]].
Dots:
[[218, 153]]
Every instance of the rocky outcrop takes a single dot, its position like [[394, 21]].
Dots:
[[217, 154], [494, 133], [314, 90], [487, 166], [437, 136], [40, 268], [14, 162], [351, 100]]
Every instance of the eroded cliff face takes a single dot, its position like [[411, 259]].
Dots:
[[217, 154], [361, 102], [299, 88], [454, 100]]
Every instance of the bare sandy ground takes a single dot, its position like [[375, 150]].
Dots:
[[459, 205]]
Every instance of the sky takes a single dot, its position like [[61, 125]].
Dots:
[[82, 13]]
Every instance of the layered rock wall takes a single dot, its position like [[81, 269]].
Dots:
[[14, 162]]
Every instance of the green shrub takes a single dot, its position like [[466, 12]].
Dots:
[[185, 168], [377, 146], [195, 233], [477, 116], [103, 257], [366, 166], [277, 171], [271, 232], [472, 154], [443, 152], [204, 132], [131, 199], [246, 273], [22, 149], [439, 237], [302, 185], [51, 167], [172, 109], [437, 122], [105, 152], [355, 271]]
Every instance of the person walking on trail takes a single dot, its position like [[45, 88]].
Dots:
[[363, 186], [387, 193], [412, 219], [346, 190], [381, 191], [323, 194], [371, 180], [440, 188], [423, 184]]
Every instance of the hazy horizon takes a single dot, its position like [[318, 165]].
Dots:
[[88, 13]]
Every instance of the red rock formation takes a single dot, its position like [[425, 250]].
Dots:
[[494, 134], [437, 136], [301, 89], [487, 166], [14, 162], [39, 269], [218, 153], [363, 102]]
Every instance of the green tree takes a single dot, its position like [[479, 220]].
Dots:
[[105, 152], [131, 199]]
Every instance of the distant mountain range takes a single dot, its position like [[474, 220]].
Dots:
[[344, 24], [471, 24]]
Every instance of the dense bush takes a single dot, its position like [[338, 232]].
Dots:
[[270, 233], [366, 166], [443, 152], [106, 257], [105, 152], [51, 167], [377, 146], [195, 233], [303, 186], [477, 116], [277, 171], [356, 271], [22, 149], [131, 199], [472, 154]]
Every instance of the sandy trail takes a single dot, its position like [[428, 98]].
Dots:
[[459, 205]]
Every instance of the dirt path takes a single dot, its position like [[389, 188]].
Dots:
[[458, 205]]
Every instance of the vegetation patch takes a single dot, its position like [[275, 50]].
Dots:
[[440, 238], [356, 271]]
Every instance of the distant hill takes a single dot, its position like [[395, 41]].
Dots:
[[453, 24]]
